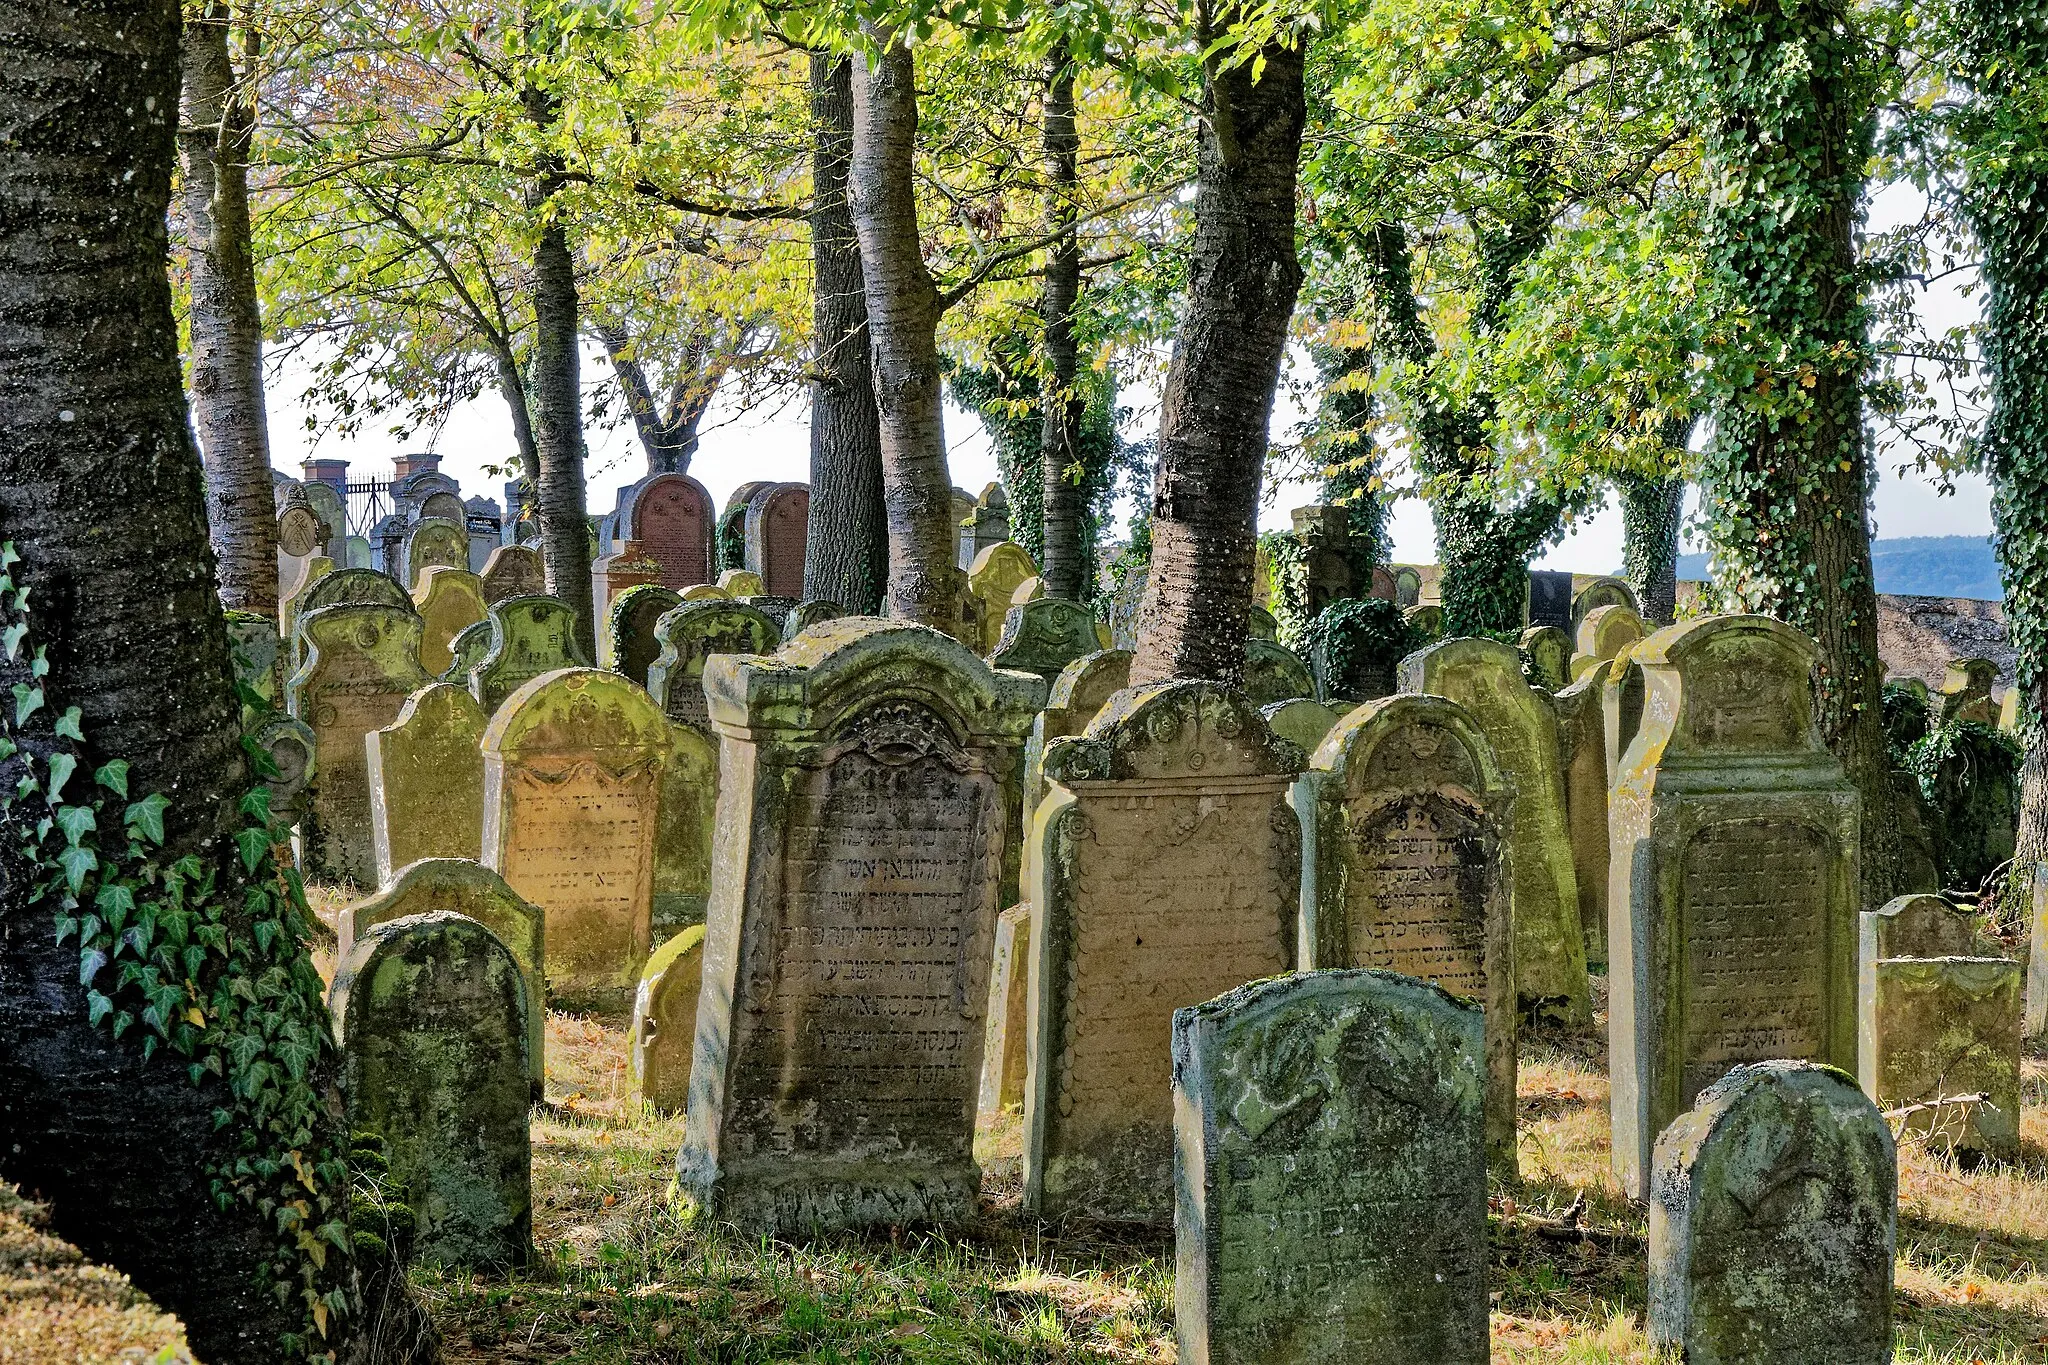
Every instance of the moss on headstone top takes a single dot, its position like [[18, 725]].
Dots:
[[1188, 728], [570, 710]]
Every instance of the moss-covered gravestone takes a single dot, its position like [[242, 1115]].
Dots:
[[1005, 1051], [1166, 870], [290, 745], [682, 843], [861, 829], [572, 795], [465, 652], [1549, 652], [737, 583], [434, 541], [462, 886], [426, 774], [1603, 592], [665, 1021], [1402, 811], [1275, 673], [686, 636], [1582, 746], [1485, 677], [449, 601], [1303, 721], [1044, 636], [431, 1016], [257, 652], [292, 605], [360, 664], [1966, 689], [1080, 691], [1938, 1012], [1331, 1174], [1772, 1223], [992, 580], [342, 588], [1732, 902], [530, 636], [1261, 625], [806, 614], [1604, 633], [513, 571], [629, 645]]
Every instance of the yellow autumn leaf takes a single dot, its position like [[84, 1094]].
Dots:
[[195, 1017]]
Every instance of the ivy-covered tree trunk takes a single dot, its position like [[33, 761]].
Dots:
[[97, 438], [846, 555], [1343, 444], [1243, 276], [925, 582], [1650, 513], [227, 328], [2005, 47], [1785, 478], [1061, 404]]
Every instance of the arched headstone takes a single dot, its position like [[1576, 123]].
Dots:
[[513, 571], [426, 775], [436, 541], [671, 516], [1045, 636], [449, 602], [687, 636], [1273, 673], [991, 582], [1603, 633], [1081, 690], [804, 615], [665, 1021], [1603, 592], [778, 522], [630, 645], [530, 636]]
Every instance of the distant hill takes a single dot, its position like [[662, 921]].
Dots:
[[1918, 566]]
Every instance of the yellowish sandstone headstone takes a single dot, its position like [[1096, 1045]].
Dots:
[[665, 1021], [450, 601], [426, 774]]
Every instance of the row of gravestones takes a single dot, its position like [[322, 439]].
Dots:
[[851, 926]]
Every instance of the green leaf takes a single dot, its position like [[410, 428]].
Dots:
[[97, 1007], [115, 900], [89, 964], [67, 925], [147, 817], [62, 765], [11, 639], [76, 862], [254, 844], [114, 777], [256, 805], [26, 701], [68, 726], [76, 822]]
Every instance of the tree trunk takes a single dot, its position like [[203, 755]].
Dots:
[[668, 432], [512, 388], [925, 582], [1650, 512], [1064, 568], [846, 556], [227, 329], [558, 431], [1242, 279], [98, 450]]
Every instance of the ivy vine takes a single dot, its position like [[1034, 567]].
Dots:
[[732, 538], [1355, 645], [1286, 584], [202, 956]]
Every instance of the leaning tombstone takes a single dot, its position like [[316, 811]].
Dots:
[[1938, 1013], [1080, 691], [1402, 812], [449, 602], [809, 613], [465, 887], [1275, 673], [426, 775], [1045, 636], [665, 1022], [682, 839], [1965, 692], [1772, 1223], [513, 571], [1005, 1044], [361, 663], [1301, 721], [435, 541], [1164, 853], [572, 797], [1734, 837], [992, 581], [1331, 1174], [629, 645], [354, 588], [686, 637], [1582, 748], [530, 637], [1485, 677], [431, 1016], [1604, 633], [859, 854], [1549, 652]]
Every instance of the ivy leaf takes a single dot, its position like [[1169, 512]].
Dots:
[[76, 862], [76, 822], [115, 900], [123, 1022], [62, 765], [147, 816], [89, 964], [12, 637], [39, 667], [256, 805], [254, 844], [26, 701], [66, 926], [114, 777], [97, 1007], [68, 726]]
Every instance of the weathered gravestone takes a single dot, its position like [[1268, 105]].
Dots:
[[572, 794], [1407, 586], [1485, 677], [361, 663], [963, 528], [1275, 673], [513, 571], [289, 746], [462, 886], [1772, 1219], [629, 643], [426, 776], [2036, 1022], [1260, 624], [705, 592], [1331, 1174], [1005, 1049], [687, 636], [1077, 694], [1427, 620], [1550, 599], [1938, 1012], [989, 523], [449, 602], [1030, 590], [671, 516], [291, 604], [1621, 706], [859, 854], [466, 651], [682, 841], [356, 552], [1402, 811], [430, 1013], [435, 541], [1355, 647], [741, 583], [342, 588], [1044, 636], [991, 583], [1604, 633], [1549, 652], [530, 636], [1966, 691], [611, 576], [1732, 902], [298, 530], [1166, 870], [778, 523], [665, 1021], [1582, 747], [257, 653], [1603, 592], [804, 615], [1303, 722]]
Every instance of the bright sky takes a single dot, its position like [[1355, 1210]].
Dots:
[[774, 445]]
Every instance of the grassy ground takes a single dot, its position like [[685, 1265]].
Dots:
[[619, 1277]]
